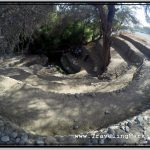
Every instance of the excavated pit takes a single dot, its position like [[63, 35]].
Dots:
[[51, 103]]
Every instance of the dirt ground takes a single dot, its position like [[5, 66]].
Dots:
[[51, 103]]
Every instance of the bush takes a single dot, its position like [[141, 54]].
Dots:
[[50, 40], [57, 37]]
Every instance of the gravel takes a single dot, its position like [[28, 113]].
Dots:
[[134, 131], [14, 135], [17, 140], [50, 140], [40, 141], [5, 139], [111, 131]]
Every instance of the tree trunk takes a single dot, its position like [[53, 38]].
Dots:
[[106, 18]]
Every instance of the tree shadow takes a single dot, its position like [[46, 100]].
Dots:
[[15, 73], [50, 113]]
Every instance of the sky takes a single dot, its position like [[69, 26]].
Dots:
[[140, 15]]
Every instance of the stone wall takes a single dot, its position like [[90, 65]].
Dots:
[[20, 18]]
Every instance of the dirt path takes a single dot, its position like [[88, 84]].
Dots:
[[33, 104]]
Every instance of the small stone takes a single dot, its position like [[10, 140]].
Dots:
[[147, 132], [24, 138], [40, 141], [50, 140], [127, 129], [17, 140], [107, 112], [84, 141], [139, 120], [1, 123], [70, 139], [129, 124], [75, 127], [77, 96], [14, 134], [148, 138], [21, 142], [94, 141], [146, 118], [5, 139], [111, 131], [30, 142], [148, 141], [122, 127], [93, 94], [2, 128], [145, 142], [81, 94], [60, 138], [101, 141], [107, 140]]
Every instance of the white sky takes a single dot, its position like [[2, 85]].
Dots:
[[140, 15]]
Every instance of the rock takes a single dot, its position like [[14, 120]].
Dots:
[[14, 134], [2, 128], [107, 112], [60, 139], [77, 96], [139, 120], [108, 140], [84, 141], [101, 141], [75, 127], [30, 141], [148, 141], [7, 130], [93, 94], [94, 141], [111, 131], [70, 139], [145, 142], [36, 67], [122, 127], [117, 141], [118, 132], [146, 118], [17, 140], [81, 94], [40, 141], [129, 124], [50, 140], [147, 132], [1, 123], [5, 139], [24, 138], [127, 129]]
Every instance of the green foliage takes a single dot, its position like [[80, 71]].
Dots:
[[50, 39], [124, 18], [72, 26]]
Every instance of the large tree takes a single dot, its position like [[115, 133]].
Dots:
[[106, 15]]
